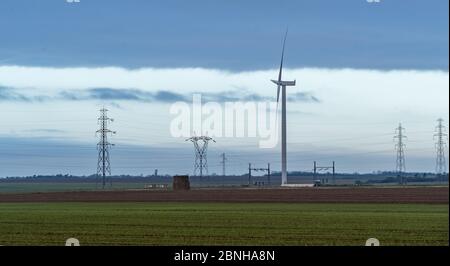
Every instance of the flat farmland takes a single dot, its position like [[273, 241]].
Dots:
[[223, 223], [300, 195], [43, 187], [278, 216]]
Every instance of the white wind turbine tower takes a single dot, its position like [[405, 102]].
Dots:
[[282, 84]]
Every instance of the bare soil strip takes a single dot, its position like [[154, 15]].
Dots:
[[299, 195]]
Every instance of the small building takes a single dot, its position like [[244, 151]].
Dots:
[[181, 182]]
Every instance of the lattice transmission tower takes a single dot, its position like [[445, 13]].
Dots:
[[104, 164], [201, 148], [400, 151], [440, 136]]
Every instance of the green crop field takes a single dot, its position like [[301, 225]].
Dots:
[[222, 223]]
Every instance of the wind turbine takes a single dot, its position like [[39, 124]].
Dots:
[[282, 84]]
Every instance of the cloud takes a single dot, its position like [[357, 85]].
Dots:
[[353, 103], [106, 94], [11, 94], [246, 96], [342, 91], [122, 95], [8, 94], [167, 96], [303, 97], [170, 97], [45, 130]]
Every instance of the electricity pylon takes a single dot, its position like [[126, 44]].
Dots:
[[201, 148], [440, 136], [400, 150], [104, 165]]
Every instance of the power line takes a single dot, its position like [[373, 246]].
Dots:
[[103, 164]]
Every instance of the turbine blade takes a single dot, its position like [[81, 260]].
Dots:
[[276, 110], [282, 57], [279, 78], [278, 93]]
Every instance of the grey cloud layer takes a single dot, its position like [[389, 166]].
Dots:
[[8, 94], [163, 96], [121, 94]]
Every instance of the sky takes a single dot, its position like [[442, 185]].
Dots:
[[361, 69]]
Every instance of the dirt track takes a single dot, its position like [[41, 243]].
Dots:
[[349, 195]]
